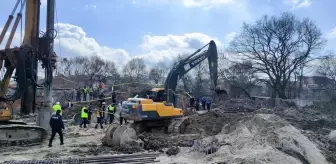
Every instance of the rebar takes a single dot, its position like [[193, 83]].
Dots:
[[133, 158]]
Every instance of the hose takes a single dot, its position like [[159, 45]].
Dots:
[[24, 59]]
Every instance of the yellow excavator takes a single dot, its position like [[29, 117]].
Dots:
[[24, 61], [158, 109]]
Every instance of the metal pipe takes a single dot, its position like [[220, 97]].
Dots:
[[11, 36], [138, 158], [15, 7], [9, 21], [16, 23], [35, 63]]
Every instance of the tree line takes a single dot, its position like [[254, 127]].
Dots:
[[273, 51]]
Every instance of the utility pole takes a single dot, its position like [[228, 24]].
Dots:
[[45, 114]]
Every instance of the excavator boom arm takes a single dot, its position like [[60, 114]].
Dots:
[[183, 67]]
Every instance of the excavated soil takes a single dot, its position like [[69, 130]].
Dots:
[[259, 138], [211, 123], [158, 141]]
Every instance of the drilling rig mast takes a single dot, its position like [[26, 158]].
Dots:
[[24, 61]]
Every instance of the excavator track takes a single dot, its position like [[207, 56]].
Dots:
[[179, 125], [21, 134]]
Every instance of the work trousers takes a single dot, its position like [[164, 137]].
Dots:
[[53, 133], [99, 121], [208, 107], [84, 121], [203, 106], [78, 98], [89, 118], [121, 120], [111, 118], [197, 106]]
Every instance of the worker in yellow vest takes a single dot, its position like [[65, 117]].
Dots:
[[85, 93], [100, 118], [84, 116], [57, 107], [111, 110]]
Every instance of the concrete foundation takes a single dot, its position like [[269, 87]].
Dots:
[[43, 118]]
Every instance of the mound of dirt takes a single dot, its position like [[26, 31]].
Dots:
[[211, 123], [248, 105], [159, 141], [262, 138]]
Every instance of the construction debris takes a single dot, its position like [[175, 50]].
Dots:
[[234, 131]]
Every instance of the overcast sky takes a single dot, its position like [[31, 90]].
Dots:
[[119, 30]]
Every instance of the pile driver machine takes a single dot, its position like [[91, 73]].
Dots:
[[24, 61]]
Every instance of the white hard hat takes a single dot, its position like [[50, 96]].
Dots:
[[57, 103], [103, 103]]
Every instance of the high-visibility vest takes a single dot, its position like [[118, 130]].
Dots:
[[99, 113], [86, 90], [57, 107], [83, 114], [111, 108]]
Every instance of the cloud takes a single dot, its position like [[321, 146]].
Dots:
[[332, 34], [168, 47], [90, 6], [230, 36], [298, 3], [74, 42], [205, 3]]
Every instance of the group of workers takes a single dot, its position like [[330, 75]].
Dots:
[[87, 93], [196, 102], [56, 122]]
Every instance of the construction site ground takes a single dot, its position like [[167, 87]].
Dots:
[[234, 131]]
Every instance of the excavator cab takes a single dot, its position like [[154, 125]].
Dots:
[[157, 94]]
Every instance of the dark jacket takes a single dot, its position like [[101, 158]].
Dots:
[[101, 97], [56, 122], [114, 96]]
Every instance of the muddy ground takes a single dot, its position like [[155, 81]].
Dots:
[[314, 122]]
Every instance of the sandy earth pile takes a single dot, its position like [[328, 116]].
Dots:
[[263, 138], [211, 123]]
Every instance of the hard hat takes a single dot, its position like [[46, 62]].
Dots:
[[103, 103], [57, 103]]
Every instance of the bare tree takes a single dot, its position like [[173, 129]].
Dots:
[[64, 67], [241, 77], [158, 73], [135, 69], [79, 65], [327, 68], [277, 46], [94, 67]]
